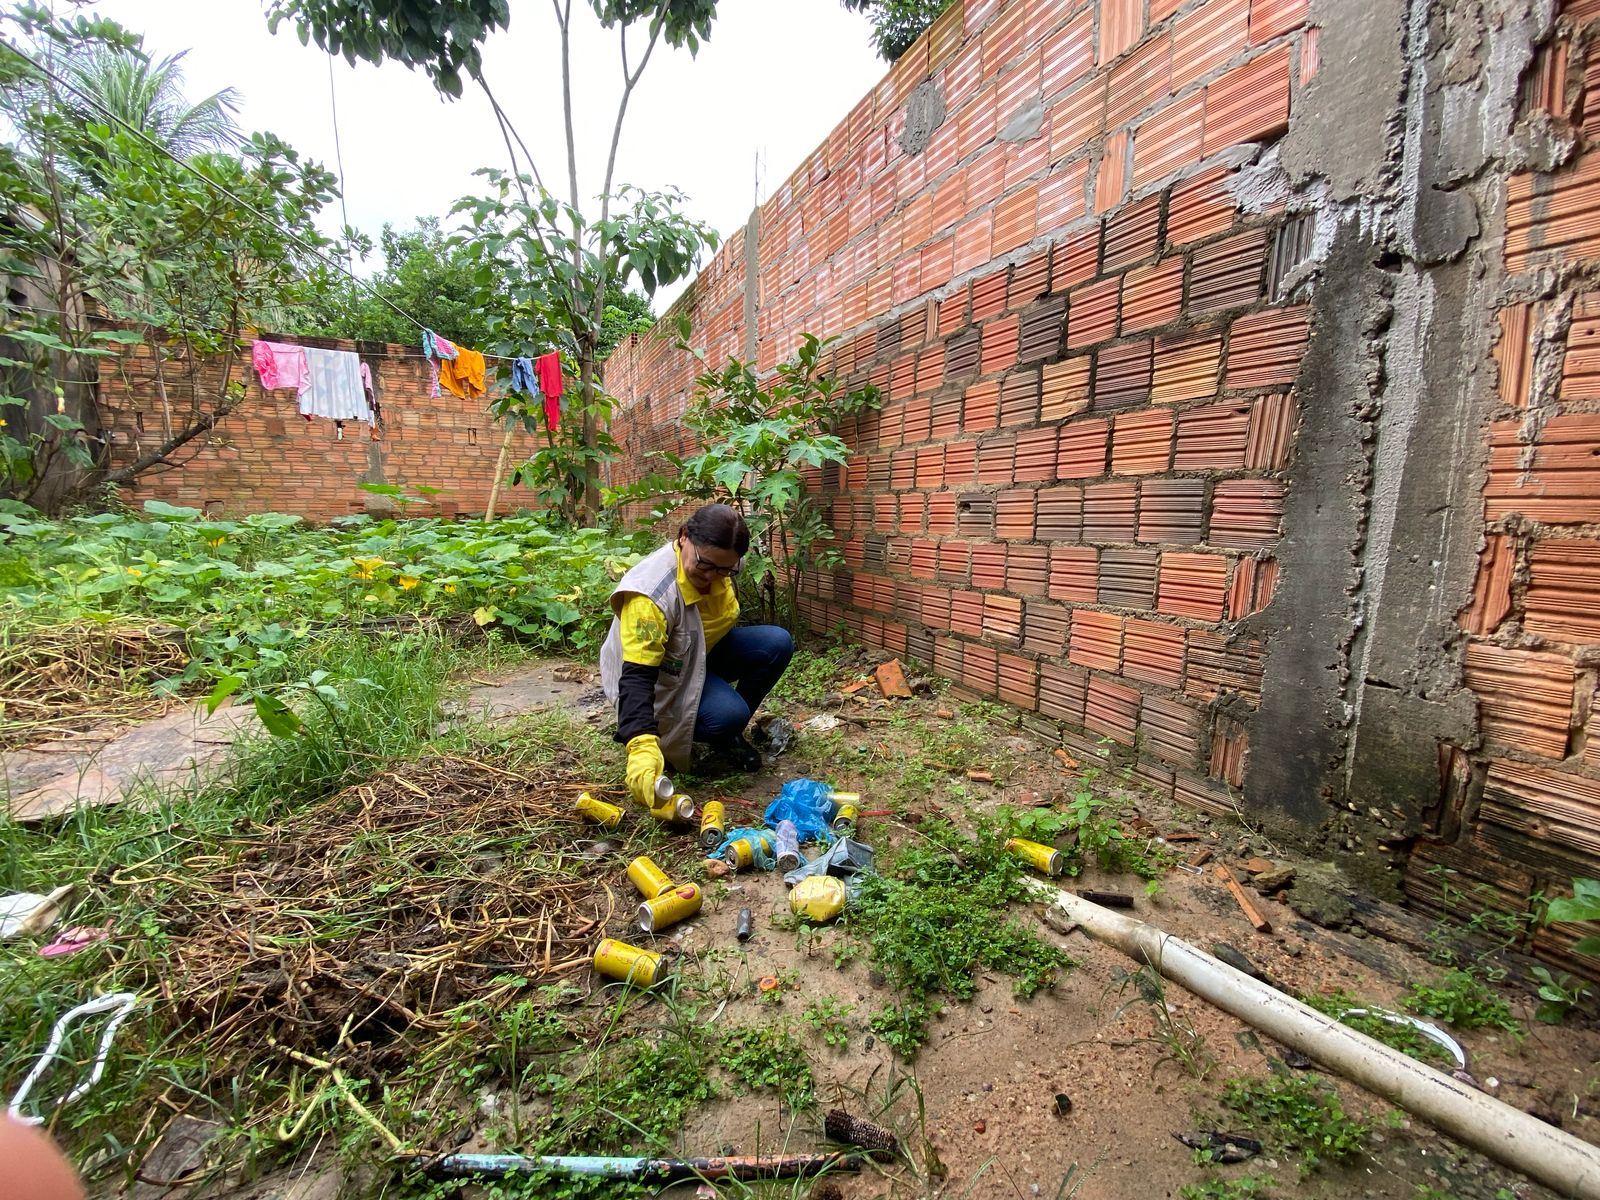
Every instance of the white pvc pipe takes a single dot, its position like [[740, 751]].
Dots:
[[1540, 1151]]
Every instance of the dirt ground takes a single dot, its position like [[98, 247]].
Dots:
[[977, 1109], [993, 1067]]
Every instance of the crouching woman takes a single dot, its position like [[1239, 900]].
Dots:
[[676, 665]]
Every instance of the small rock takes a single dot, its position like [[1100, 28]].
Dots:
[[871, 1041], [980, 1126], [716, 868], [1260, 866], [988, 1008], [1235, 959], [1063, 1104], [988, 1087], [1271, 881]]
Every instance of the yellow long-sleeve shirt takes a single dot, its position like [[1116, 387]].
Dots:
[[644, 625]]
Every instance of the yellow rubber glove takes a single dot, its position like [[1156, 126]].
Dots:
[[645, 766]]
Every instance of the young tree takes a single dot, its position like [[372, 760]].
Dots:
[[897, 24], [182, 254], [579, 256]]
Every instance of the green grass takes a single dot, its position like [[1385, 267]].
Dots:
[[1245, 1187], [768, 1056], [812, 673], [1298, 1114]]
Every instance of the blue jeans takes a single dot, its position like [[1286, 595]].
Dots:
[[751, 656]]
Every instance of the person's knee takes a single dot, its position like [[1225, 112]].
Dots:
[[725, 718], [780, 646]]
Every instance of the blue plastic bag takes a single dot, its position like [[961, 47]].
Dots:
[[810, 805]]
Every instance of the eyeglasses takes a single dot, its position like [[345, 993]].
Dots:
[[711, 568]]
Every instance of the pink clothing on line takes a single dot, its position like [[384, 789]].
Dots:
[[281, 365]]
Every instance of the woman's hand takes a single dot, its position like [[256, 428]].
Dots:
[[645, 766]]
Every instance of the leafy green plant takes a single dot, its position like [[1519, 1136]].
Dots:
[[1403, 1038], [828, 1017], [768, 1056], [1245, 1187], [1300, 1114], [936, 916], [1559, 994], [1461, 999], [1583, 905], [755, 435]]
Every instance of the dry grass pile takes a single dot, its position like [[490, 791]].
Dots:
[[61, 679], [400, 911]]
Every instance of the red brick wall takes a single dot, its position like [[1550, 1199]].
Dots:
[[1523, 812], [266, 457], [1074, 487]]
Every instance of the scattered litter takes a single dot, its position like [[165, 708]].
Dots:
[[1037, 855], [1182, 836], [24, 914], [667, 909], [1296, 1061], [120, 1005], [712, 824], [79, 937], [809, 805], [822, 723], [1107, 899], [944, 714], [1425, 1028], [607, 816], [981, 776], [1063, 1104], [653, 1170], [1223, 1147], [846, 859], [631, 964], [818, 898], [788, 838], [1201, 856], [775, 733], [892, 681], [844, 821], [840, 1126], [649, 879], [744, 929], [744, 848], [768, 983], [1251, 912], [855, 687], [1067, 760]]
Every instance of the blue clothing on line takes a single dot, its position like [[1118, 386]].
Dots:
[[523, 377]]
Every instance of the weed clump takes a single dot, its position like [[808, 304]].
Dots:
[[1465, 1001], [933, 919], [1301, 1115]]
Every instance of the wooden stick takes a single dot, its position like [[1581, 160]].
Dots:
[[1250, 910]]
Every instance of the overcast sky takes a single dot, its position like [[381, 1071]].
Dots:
[[775, 78]]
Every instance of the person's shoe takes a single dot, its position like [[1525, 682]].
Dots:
[[743, 755]]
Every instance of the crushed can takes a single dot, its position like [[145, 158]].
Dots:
[[670, 907], [598, 812], [650, 879], [818, 898], [1037, 855], [631, 964], [844, 821], [712, 825]]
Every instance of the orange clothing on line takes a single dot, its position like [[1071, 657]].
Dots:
[[463, 374]]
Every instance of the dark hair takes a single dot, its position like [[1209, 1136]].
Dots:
[[719, 527]]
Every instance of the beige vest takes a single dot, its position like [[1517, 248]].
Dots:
[[683, 671]]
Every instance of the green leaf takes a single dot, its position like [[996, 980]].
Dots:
[[277, 717], [160, 508], [226, 686]]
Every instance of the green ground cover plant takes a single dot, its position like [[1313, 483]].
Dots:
[[1299, 1114], [247, 593], [1401, 1037], [1462, 999]]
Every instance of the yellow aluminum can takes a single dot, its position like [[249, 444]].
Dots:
[[845, 797], [712, 825], [607, 816], [669, 908], [1037, 855], [740, 857], [618, 960], [844, 821], [650, 879]]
